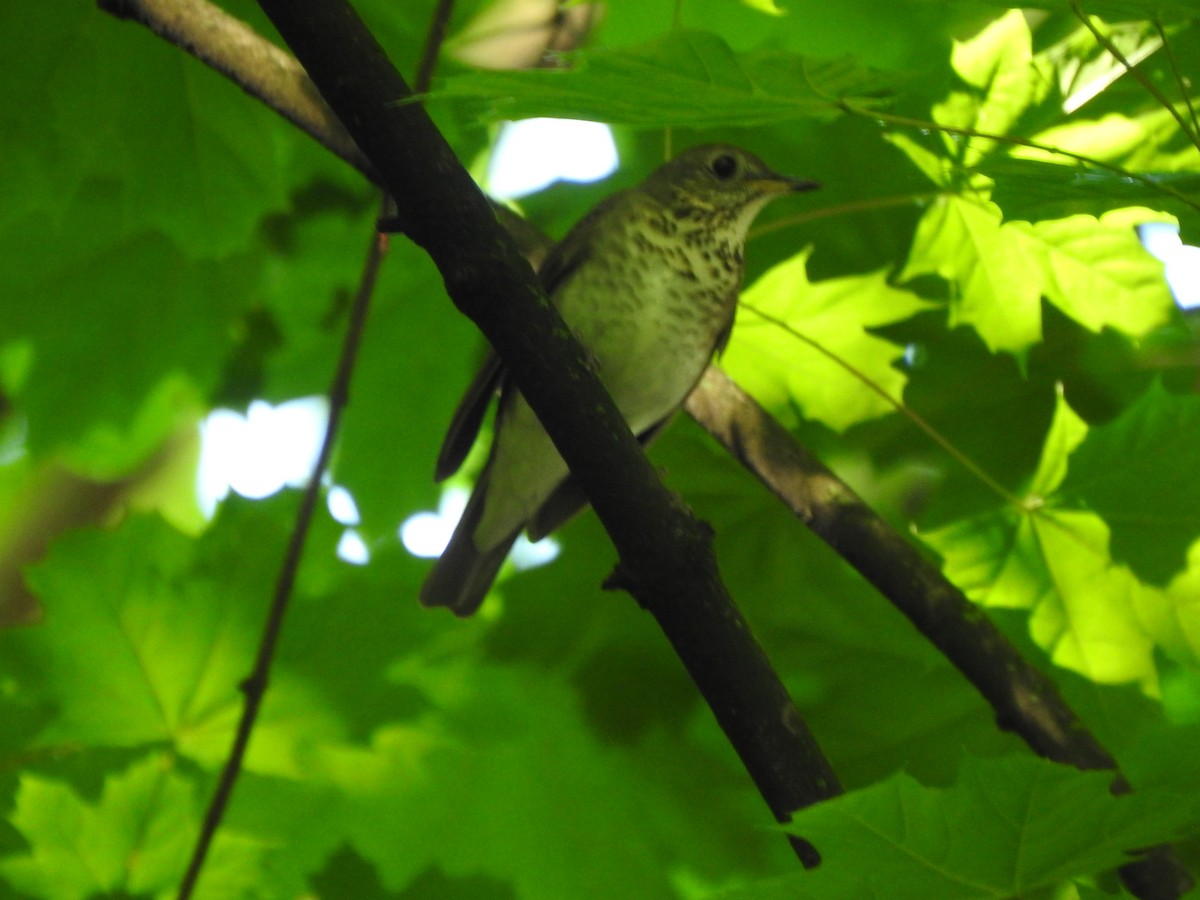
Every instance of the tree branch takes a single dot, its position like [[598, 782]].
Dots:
[[666, 555], [433, 45], [273, 76], [1026, 701], [1039, 716], [255, 685], [257, 66], [443, 211]]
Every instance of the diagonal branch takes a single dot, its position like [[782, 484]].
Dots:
[[257, 66], [1026, 701], [666, 555], [269, 74], [1038, 715]]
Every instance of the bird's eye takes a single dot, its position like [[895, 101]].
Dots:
[[724, 166]]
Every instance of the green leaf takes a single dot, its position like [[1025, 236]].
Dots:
[[1097, 274], [780, 368], [1134, 472], [1101, 276], [990, 263], [998, 63], [472, 803], [1033, 189], [686, 78], [93, 369], [136, 838], [121, 671], [1150, 141], [1090, 613], [190, 160], [126, 212], [1007, 828], [1153, 164], [1098, 625]]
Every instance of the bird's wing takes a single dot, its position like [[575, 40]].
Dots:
[[563, 260], [468, 417], [569, 499], [566, 256], [575, 248]]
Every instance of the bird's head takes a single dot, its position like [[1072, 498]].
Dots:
[[720, 178]]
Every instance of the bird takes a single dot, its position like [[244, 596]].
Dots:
[[648, 282]]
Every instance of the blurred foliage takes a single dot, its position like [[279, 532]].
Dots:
[[171, 246]]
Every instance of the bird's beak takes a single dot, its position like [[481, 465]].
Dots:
[[781, 184]]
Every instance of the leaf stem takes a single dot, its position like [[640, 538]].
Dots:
[[1138, 75], [906, 122], [1179, 79], [932, 433], [851, 206], [434, 39]]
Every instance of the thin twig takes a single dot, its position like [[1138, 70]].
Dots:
[[255, 686], [866, 204], [1025, 701], [1133, 70], [922, 125], [666, 556], [932, 433], [434, 38], [1179, 79]]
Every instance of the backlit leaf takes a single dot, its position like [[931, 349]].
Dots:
[[779, 367]]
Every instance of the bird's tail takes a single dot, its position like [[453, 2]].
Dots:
[[461, 578]]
